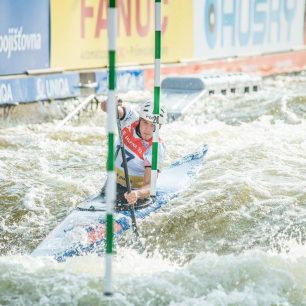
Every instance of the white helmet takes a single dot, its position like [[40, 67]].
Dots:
[[146, 112]]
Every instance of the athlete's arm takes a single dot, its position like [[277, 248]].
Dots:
[[142, 192], [121, 111]]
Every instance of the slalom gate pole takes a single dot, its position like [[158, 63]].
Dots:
[[156, 110], [111, 128]]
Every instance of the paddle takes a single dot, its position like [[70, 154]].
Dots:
[[127, 180]]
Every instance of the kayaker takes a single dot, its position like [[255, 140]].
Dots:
[[137, 132]]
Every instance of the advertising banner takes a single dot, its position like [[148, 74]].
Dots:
[[23, 90], [125, 80], [225, 28], [305, 24], [12, 91], [55, 86], [79, 32], [24, 35]]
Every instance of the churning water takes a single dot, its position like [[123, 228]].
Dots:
[[237, 236]]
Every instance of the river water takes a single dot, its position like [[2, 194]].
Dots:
[[237, 236]]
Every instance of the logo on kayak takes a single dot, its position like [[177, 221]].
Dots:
[[95, 234]]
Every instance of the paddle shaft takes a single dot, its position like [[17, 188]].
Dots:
[[127, 179]]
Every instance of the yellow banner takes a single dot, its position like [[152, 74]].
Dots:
[[177, 40], [79, 32]]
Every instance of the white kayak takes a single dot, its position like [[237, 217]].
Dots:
[[83, 230]]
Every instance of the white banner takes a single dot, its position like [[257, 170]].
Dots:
[[223, 28]]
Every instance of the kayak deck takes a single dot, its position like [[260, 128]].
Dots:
[[83, 230]]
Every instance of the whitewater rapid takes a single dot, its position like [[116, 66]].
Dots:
[[237, 236]]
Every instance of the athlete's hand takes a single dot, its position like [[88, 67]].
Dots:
[[131, 197], [103, 103]]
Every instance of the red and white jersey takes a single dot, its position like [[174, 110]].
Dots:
[[138, 151]]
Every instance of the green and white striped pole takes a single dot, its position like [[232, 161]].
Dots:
[[156, 95], [111, 128]]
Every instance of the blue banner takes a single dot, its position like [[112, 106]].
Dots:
[[24, 35], [12, 91], [56, 86], [126, 80], [23, 90]]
